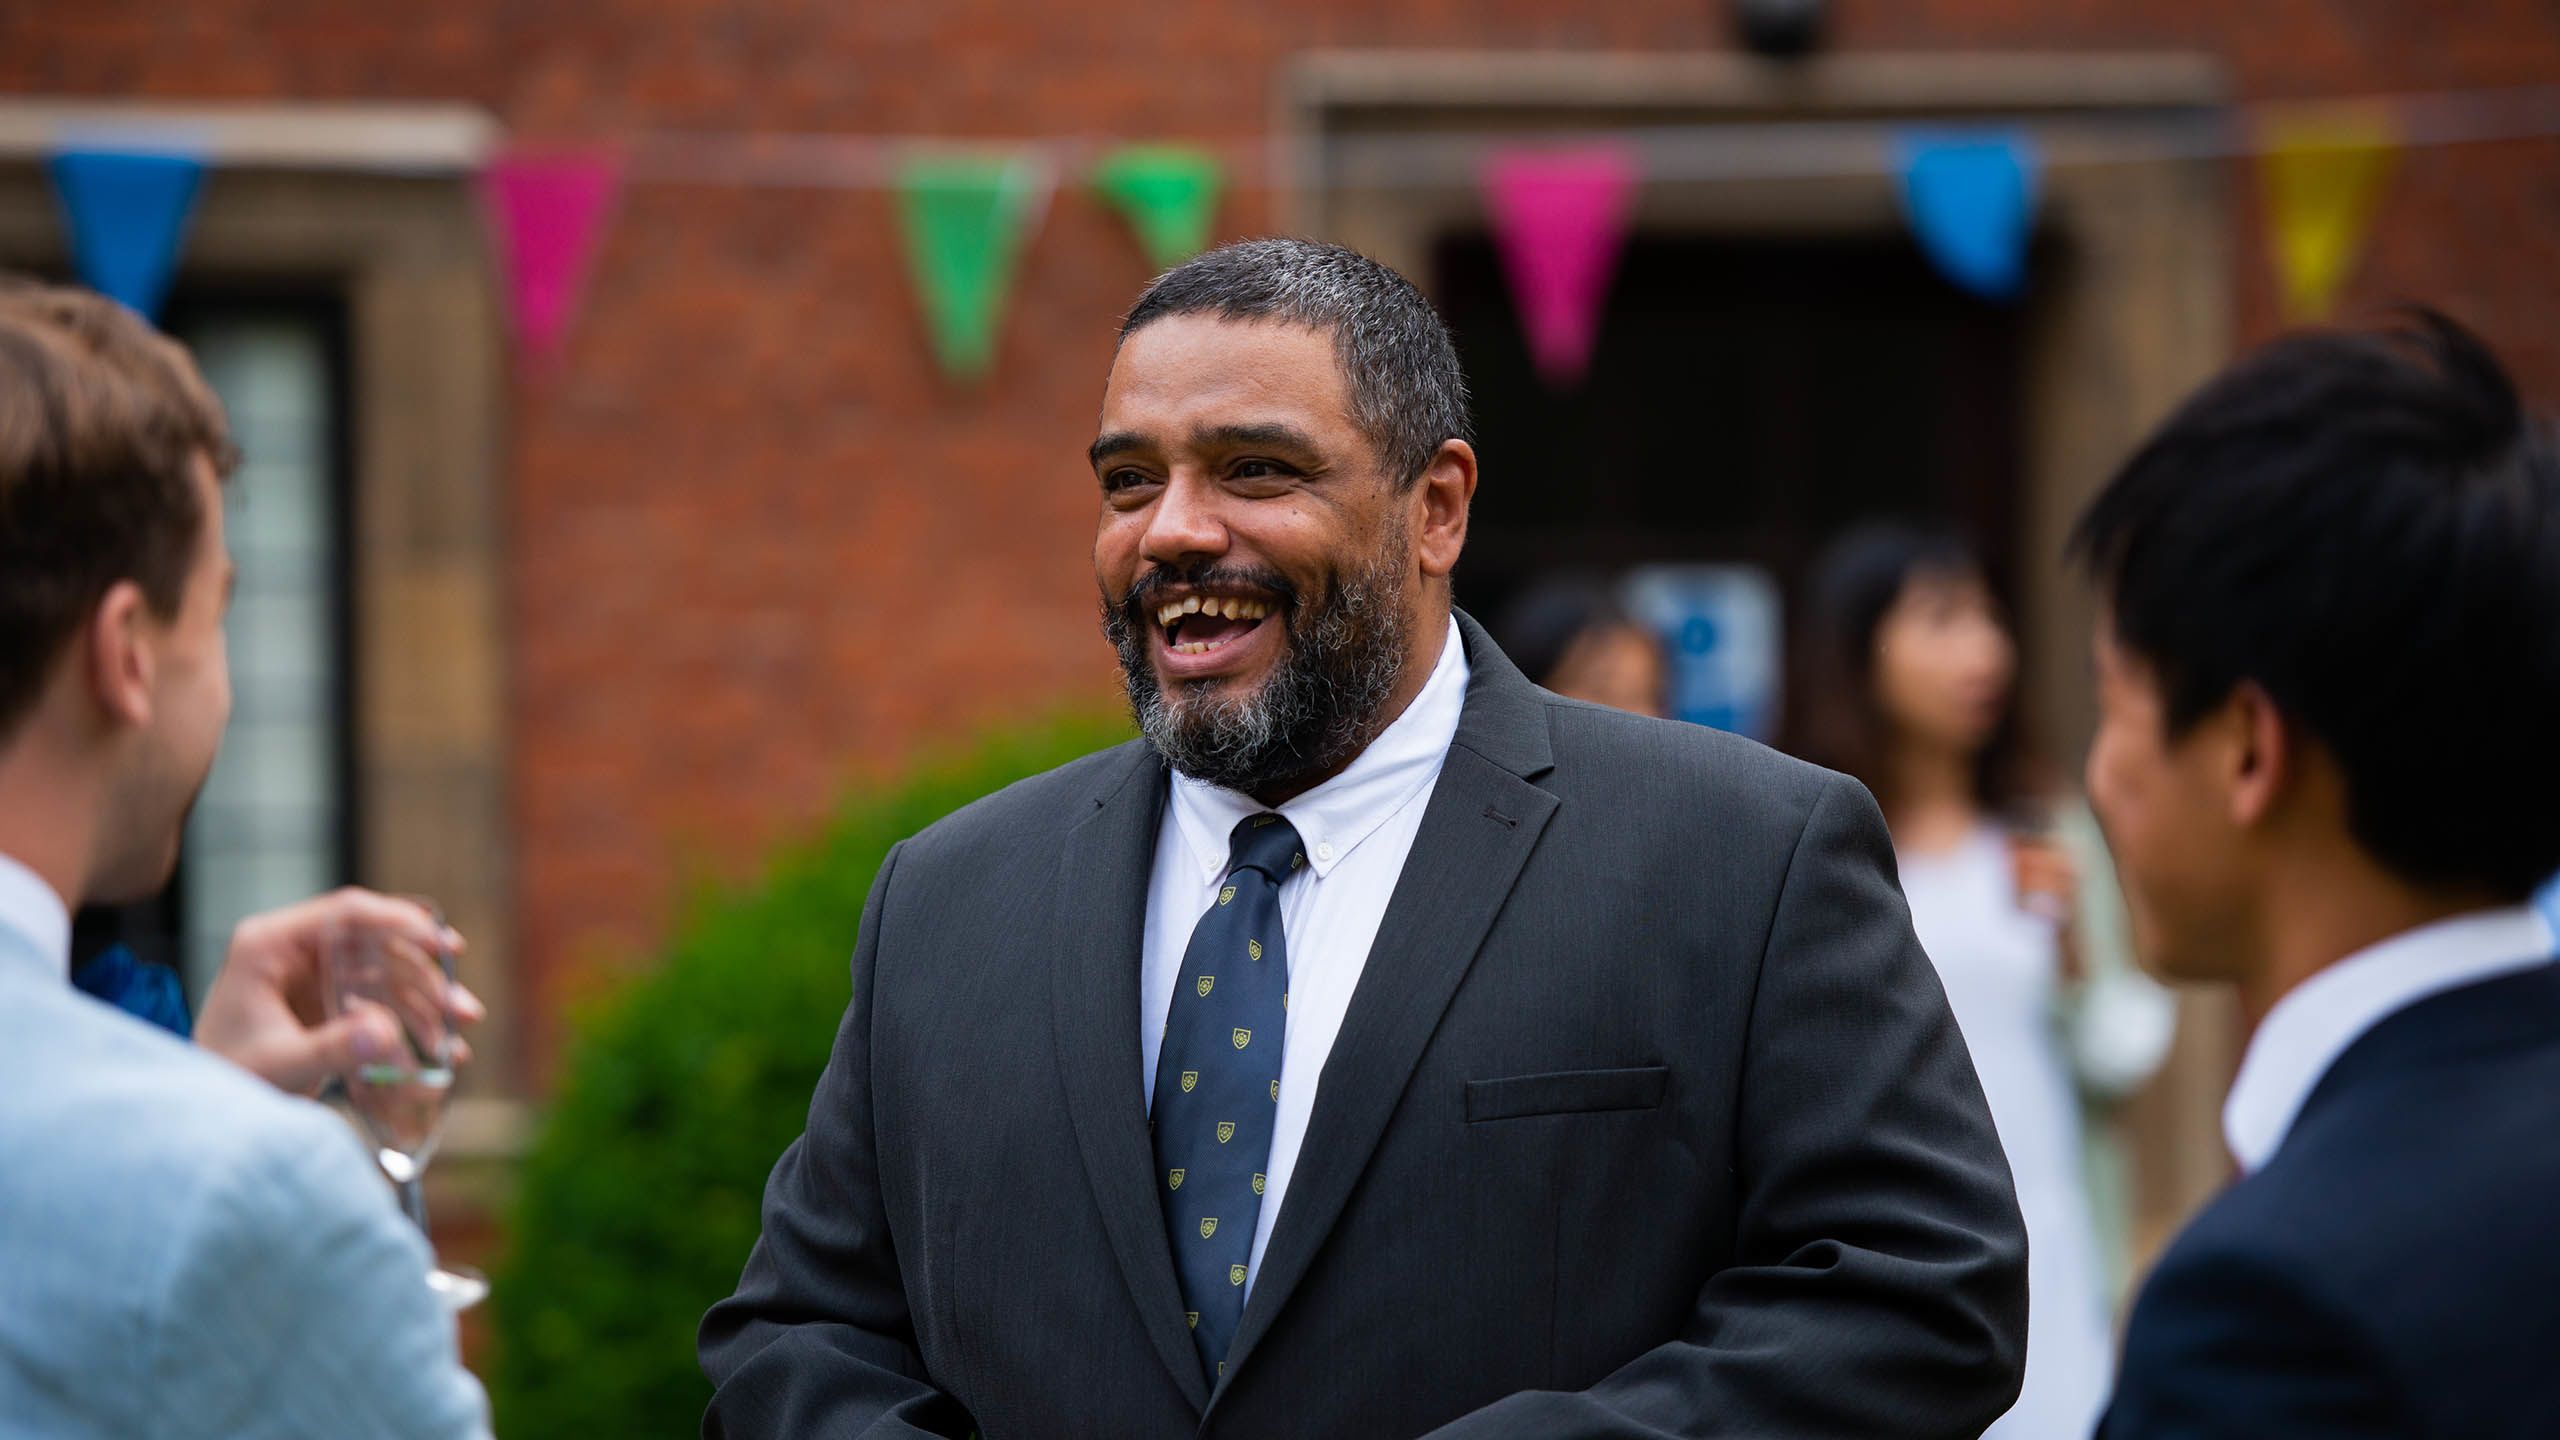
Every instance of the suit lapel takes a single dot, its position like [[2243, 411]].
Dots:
[[1100, 919], [1483, 820]]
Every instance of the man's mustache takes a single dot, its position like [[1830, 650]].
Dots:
[[1149, 590]]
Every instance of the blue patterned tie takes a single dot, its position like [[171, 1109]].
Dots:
[[1218, 1081]]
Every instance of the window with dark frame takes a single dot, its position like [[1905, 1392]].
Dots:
[[276, 822]]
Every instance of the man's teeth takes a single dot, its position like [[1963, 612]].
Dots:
[[1215, 606]]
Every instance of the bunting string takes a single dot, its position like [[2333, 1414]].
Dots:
[[1678, 153], [1559, 204], [1691, 153]]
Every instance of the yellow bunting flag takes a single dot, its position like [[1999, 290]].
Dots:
[[2323, 172]]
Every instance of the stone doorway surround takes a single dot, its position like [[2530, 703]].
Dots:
[[2131, 305]]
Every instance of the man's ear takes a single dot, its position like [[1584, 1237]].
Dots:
[[1440, 499], [120, 650], [2262, 757]]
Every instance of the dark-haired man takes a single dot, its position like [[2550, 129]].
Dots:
[[2329, 677], [1381, 1045], [183, 1249]]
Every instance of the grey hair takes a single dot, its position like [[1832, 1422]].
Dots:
[[1408, 395]]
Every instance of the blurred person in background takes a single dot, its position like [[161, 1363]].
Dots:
[[2328, 658], [187, 1250], [1906, 679], [1570, 634]]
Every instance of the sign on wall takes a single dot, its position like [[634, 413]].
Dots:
[[1722, 629]]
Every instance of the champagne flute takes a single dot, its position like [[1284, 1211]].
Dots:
[[2038, 861], [2041, 868], [400, 1098]]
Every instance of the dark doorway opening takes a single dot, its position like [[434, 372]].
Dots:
[[1749, 398]]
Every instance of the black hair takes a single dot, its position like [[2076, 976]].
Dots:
[[1834, 716], [2367, 527], [1539, 628], [1408, 395]]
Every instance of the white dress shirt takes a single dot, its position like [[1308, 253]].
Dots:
[[34, 925], [185, 1250], [1358, 827], [2313, 1025]]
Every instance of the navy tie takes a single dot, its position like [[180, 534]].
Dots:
[[1218, 1081]]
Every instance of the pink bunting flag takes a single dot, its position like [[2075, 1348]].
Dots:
[[1560, 219], [546, 210]]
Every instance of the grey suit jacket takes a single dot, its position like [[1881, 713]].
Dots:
[[1648, 1119]]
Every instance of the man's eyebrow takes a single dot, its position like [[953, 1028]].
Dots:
[[1214, 437], [1238, 437], [1118, 442]]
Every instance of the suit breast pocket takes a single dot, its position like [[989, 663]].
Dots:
[[1567, 1092]]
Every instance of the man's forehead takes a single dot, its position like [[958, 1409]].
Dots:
[[2119, 669], [1191, 371], [2102, 640]]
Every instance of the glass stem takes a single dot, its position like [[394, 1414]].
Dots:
[[413, 1201]]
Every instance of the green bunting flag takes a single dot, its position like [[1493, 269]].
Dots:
[[1168, 193], [966, 219]]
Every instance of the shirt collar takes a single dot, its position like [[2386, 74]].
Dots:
[[2314, 1023], [1334, 817], [34, 926]]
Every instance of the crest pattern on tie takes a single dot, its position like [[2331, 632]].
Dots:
[[1218, 1081]]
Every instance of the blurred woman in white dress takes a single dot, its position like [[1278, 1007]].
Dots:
[[1905, 677]]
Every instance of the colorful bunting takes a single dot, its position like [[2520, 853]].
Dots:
[[2323, 175], [127, 212], [966, 219], [1559, 220], [546, 211], [1970, 198], [1559, 215], [1168, 193]]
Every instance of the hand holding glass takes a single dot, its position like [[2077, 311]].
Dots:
[[400, 1097]]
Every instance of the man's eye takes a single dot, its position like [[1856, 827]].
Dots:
[[1259, 469], [1116, 481]]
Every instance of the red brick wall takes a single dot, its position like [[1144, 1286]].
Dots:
[[759, 546]]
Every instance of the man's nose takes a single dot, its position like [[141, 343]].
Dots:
[[1186, 524]]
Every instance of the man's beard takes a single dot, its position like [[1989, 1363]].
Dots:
[[1319, 705]]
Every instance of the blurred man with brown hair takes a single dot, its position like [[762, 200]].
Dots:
[[188, 1251]]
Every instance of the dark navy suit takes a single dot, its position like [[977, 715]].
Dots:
[[2395, 1268]]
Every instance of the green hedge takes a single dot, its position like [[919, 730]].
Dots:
[[637, 1203]]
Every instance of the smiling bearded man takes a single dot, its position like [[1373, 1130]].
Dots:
[[1325, 696], [1381, 1045]]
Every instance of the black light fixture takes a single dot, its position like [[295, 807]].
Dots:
[[1779, 29]]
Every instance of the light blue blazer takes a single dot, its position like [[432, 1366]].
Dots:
[[186, 1252]]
